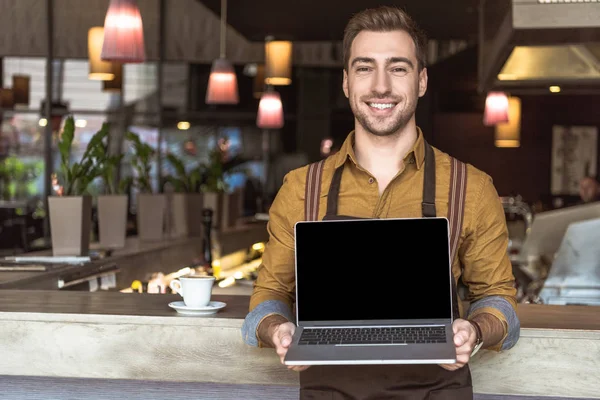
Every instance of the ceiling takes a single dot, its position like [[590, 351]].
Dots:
[[324, 20]]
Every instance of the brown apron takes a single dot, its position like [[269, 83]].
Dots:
[[371, 382]]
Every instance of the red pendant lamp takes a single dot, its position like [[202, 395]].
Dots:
[[270, 110], [123, 33], [222, 84], [496, 109]]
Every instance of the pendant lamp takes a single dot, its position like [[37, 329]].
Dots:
[[508, 134], [496, 108], [222, 84], [99, 70], [270, 110], [278, 62], [123, 33]]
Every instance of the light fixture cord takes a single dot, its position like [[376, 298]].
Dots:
[[223, 26], [267, 63]]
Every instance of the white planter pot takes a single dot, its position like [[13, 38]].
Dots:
[[232, 208], [187, 214], [112, 220], [70, 224], [179, 227], [150, 216]]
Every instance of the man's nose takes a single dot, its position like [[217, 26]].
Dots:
[[382, 83]]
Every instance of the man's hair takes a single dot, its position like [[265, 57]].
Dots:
[[385, 19]]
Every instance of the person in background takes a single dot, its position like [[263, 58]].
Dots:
[[384, 162], [589, 189]]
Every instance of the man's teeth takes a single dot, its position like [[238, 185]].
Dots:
[[381, 106]]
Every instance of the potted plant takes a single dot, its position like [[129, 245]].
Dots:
[[187, 198], [71, 209], [150, 205], [226, 205], [112, 205]]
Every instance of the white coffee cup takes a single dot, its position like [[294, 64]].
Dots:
[[195, 290]]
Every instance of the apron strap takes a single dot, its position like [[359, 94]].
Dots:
[[312, 190], [333, 193], [456, 202], [428, 203], [456, 208]]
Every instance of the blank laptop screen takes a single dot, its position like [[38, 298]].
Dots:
[[373, 269]]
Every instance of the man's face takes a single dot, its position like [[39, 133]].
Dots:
[[589, 189], [383, 82]]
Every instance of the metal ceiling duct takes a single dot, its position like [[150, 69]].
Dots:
[[527, 46]]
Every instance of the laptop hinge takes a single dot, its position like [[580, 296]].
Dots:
[[368, 324]]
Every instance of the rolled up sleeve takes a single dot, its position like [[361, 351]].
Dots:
[[504, 311], [274, 289], [487, 269], [260, 312]]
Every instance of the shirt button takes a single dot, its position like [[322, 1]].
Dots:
[[371, 180]]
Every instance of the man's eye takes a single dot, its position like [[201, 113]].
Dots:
[[400, 70], [362, 69]]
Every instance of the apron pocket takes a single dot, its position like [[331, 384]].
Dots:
[[462, 393]]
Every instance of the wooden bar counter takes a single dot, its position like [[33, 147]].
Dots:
[[100, 345]]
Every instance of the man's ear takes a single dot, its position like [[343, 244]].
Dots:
[[345, 83], [423, 82]]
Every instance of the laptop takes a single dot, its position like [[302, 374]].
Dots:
[[373, 291]]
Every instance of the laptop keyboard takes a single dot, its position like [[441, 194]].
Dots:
[[390, 335]]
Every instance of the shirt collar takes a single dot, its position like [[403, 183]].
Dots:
[[346, 151], [415, 156]]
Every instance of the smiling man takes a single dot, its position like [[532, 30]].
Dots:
[[386, 169]]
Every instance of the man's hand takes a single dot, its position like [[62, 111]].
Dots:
[[465, 337], [281, 337]]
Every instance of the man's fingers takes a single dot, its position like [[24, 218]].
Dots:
[[282, 339], [285, 339], [462, 359], [464, 349], [453, 367], [281, 351], [298, 368], [461, 337], [283, 335], [449, 367]]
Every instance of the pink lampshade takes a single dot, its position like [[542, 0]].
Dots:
[[123, 33], [270, 111], [496, 109], [222, 84]]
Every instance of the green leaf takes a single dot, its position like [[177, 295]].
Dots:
[[66, 139], [124, 185], [141, 158]]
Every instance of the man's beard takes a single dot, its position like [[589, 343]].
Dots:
[[393, 123]]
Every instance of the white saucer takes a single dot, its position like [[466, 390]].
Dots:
[[212, 308]]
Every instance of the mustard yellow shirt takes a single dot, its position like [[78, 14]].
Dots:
[[481, 262]]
